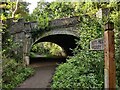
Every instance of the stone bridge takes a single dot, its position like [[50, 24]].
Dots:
[[60, 31]]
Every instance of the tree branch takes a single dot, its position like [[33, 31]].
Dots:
[[13, 14]]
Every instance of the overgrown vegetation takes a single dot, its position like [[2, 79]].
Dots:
[[14, 73], [86, 68], [13, 70]]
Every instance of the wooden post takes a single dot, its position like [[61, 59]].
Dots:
[[109, 57]]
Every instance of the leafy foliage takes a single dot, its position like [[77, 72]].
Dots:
[[13, 70], [9, 7], [8, 45], [47, 49], [14, 73], [85, 68]]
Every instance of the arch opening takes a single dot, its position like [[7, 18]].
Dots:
[[66, 42], [47, 51]]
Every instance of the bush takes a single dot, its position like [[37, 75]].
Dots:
[[14, 73], [85, 69]]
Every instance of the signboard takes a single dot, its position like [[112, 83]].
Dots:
[[97, 44]]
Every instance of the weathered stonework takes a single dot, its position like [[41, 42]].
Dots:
[[65, 22], [21, 33]]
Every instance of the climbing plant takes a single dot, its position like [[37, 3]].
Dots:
[[85, 68], [13, 71], [45, 12]]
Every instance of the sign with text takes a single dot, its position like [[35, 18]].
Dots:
[[97, 44]]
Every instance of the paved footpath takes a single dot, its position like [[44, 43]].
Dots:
[[42, 77]]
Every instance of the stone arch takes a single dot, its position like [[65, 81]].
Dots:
[[65, 39]]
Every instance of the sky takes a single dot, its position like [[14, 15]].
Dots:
[[33, 4]]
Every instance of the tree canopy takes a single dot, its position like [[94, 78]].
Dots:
[[14, 10]]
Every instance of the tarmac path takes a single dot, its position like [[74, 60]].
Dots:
[[42, 77]]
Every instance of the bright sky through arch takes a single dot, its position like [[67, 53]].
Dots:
[[33, 4]]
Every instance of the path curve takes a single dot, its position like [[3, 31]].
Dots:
[[42, 77]]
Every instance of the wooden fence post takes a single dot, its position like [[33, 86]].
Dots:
[[109, 57]]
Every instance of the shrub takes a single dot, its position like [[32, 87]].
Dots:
[[14, 73], [85, 68]]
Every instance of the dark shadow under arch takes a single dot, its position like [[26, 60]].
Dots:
[[67, 42]]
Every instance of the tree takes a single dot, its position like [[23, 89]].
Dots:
[[14, 10]]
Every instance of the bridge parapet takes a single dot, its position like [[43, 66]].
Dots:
[[65, 22]]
